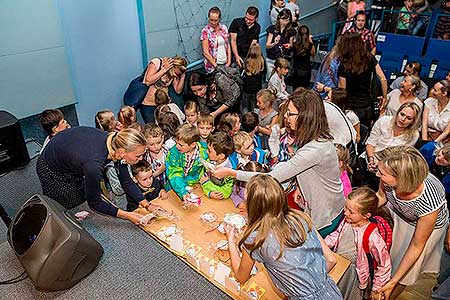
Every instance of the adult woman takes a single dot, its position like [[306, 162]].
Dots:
[[215, 93], [303, 51], [280, 38], [406, 93], [317, 176], [412, 68], [71, 166], [161, 73], [416, 200], [215, 45], [355, 75], [436, 113]]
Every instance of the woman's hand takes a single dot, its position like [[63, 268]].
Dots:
[[133, 217], [167, 64], [221, 172], [387, 290]]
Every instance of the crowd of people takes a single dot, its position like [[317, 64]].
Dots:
[[282, 153]]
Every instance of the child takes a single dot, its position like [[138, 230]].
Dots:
[[191, 110], [162, 98], [285, 241], [126, 116], [347, 240], [220, 147], [266, 114], [238, 195], [156, 151], [303, 51], [404, 18], [255, 71], [229, 123], [106, 121], [205, 125], [150, 187], [344, 167], [295, 10], [249, 124], [169, 123], [52, 121], [276, 81], [281, 142], [183, 166], [245, 151]]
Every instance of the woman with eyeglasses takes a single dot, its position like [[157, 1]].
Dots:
[[71, 167], [314, 166]]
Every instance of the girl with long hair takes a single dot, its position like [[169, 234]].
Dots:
[[254, 71], [303, 51]]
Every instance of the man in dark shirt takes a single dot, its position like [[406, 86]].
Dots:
[[244, 31]]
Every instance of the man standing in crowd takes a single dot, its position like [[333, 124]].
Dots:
[[244, 31], [366, 35]]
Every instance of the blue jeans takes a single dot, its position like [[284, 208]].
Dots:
[[148, 113]]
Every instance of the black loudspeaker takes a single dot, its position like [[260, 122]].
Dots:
[[13, 151], [54, 249]]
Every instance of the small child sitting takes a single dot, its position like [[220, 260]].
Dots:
[[156, 152], [52, 121], [245, 151], [344, 167], [220, 147], [126, 116], [205, 125], [348, 240], [150, 187], [183, 162]]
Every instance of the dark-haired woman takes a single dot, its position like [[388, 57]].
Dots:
[[303, 51], [356, 73], [314, 165], [215, 93]]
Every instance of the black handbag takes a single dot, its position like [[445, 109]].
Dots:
[[136, 91]]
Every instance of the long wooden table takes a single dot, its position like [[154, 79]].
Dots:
[[196, 232]]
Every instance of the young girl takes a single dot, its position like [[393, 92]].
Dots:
[[106, 121], [284, 240], [156, 151], [126, 116], [267, 115], [344, 167], [162, 98], [276, 81], [347, 241], [169, 122], [255, 70], [303, 51], [191, 110], [229, 123]]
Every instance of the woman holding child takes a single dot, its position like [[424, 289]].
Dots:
[[416, 200], [314, 164], [71, 167]]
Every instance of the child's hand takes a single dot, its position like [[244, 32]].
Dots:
[[216, 195], [204, 178], [230, 231], [375, 295], [159, 170], [163, 195], [144, 203]]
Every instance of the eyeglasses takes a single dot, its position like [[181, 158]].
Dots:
[[291, 114]]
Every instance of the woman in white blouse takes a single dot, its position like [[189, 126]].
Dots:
[[436, 113], [389, 131], [405, 93]]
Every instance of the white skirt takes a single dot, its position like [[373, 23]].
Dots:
[[428, 261]]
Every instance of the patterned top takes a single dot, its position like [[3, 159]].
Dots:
[[430, 200], [156, 163], [367, 37], [209, 34]]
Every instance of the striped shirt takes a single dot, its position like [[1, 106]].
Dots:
[[430, 200]]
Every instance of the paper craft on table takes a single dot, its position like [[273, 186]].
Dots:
[[222, 272], [232, 285], [176, 243]]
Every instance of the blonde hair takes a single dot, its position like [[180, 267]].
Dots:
[[179, 63], [205, 118], [127, 116], [240, 138], [416, 82], [191, 105], [128, 139], [105, 120], [367, 200], [268, 95], [268, 212], [410, 131], [280, 62], [344, 157], [445, 149], [406, 164], [187, 133], [254, 63]]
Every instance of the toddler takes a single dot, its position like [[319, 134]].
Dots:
[[348, 240], [150, 187], [183, 162], [156, 151], [191, 109], [220, 147], [127, 116], [205, 125]]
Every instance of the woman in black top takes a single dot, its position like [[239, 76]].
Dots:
[[71, 167], [303, 51], [356, 74]]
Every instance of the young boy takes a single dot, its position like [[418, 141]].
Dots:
[[205, 125], [249, 124], [156, 151], [150, 187], [52, 121], [245, 151], [183, 166], [220, 146]]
